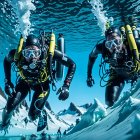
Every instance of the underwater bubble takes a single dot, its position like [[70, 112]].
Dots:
[[137, 9], [3, 10], [99, 13], [22, 11]]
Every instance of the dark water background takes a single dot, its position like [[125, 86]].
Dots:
[[72, 18]]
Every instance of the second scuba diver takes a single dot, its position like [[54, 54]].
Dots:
[[121, 53], [35, 73]]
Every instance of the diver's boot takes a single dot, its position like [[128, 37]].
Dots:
[[4, 125]]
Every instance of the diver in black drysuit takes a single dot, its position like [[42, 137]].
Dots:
[[115, 52], [32, 70]]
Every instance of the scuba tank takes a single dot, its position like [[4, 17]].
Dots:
[[52, 44], [133, 47], [135, 32], [132, 43], [59, 66], [19, 49]]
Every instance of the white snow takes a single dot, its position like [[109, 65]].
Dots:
[[122, 121], [95, 112], [136, 125], [71, 116], [55, 122], [82, 110], [20, 128]]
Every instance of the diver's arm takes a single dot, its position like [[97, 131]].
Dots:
[[92, 58], [66, 61], [138, 43], [8, 60]]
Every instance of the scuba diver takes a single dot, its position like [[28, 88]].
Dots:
[[65, 132], [33, 137], [33, 60], [43, 136], [59, 132], [120, 50]]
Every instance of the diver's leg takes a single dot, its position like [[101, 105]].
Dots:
[[118, 90], [113, 90], [39, 99], [18, 96]]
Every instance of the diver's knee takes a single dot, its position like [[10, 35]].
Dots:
[[33, 116], [8, 110]]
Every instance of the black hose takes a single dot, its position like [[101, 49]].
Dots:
[[105, 73], [50, 60]]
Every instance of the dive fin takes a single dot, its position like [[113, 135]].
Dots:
[[42, 123]]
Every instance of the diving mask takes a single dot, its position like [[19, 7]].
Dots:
[[113, 43], [31, 53]]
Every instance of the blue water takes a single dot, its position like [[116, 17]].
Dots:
[[81, 27], [72, 18]]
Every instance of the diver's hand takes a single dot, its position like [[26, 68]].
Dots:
[[63, 93], [90, 81], [8, 87]]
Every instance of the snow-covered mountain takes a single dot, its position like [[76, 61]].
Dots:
[[65, 119], [122, 121], [73, 113], [54, 122], [22, 125], [96, 122]]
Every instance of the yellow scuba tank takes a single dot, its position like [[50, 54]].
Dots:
[[132, 43], [19, 49], [52, 44], [50, 56], [133, 47]]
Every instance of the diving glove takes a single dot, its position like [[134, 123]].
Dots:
[[9, 88], [90, 81], [63, 93]]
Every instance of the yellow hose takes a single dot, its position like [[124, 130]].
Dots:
[[107, 25]]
